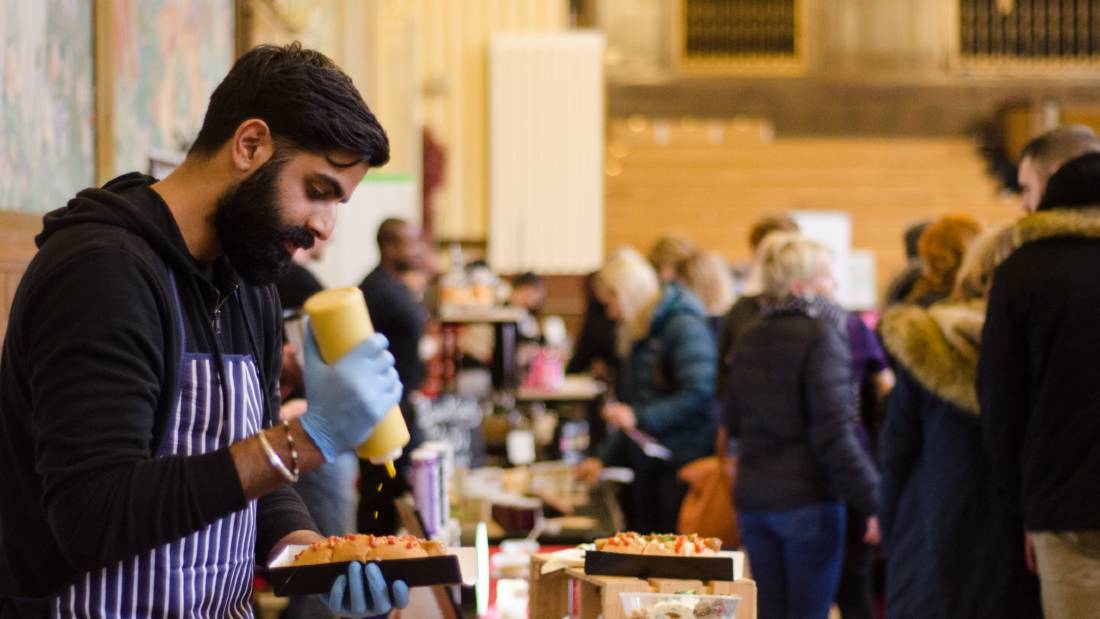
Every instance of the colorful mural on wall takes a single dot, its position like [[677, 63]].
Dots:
[[47, 103]]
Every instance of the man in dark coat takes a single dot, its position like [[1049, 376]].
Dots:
[[1039, 385], [398, 315]]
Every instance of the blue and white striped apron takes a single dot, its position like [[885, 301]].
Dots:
[[208, 573]]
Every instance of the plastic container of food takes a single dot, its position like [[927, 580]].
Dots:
[[679, 606]]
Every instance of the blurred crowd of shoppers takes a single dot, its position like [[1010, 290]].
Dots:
[[959, 436]]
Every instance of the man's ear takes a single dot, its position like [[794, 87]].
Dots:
[[251, 146]]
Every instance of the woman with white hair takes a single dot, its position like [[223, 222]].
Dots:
[[665, 387], [791, 405]]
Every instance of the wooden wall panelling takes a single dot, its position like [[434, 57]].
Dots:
[[434, 53], [1082, 115], [454, 57], [393, 80], [566, 297], [104, 92], [318, 24], [714, 194], [638, 36], [376, 43]]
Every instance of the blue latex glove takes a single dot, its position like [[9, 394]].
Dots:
[[348, 398], [363, 593]]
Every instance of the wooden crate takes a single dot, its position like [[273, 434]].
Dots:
[[598, 596]]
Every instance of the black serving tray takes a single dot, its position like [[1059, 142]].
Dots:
[[313, 579], [718, 567]]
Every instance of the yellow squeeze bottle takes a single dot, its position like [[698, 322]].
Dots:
[[340, 322]]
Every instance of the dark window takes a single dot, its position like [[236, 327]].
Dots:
[[1029, 29], [739, 29]]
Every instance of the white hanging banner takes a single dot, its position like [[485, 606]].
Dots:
[[833, 228]]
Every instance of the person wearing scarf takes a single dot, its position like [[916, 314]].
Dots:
[[952, 541], [791, 406]]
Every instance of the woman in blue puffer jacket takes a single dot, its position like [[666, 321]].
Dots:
[[665, 388]]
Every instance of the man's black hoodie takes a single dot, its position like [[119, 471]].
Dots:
[[88, 378]]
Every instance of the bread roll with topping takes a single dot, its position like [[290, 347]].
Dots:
[[660, 545], [352, 548], [623, 543], [662, 549], [368, 548], [391, 547], [708, 545], [318, 552]]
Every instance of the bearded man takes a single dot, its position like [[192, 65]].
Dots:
[[139, 379]]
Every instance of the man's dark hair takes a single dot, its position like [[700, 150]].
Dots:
[[390, 231], [768, 224], [1057, 146], [527, 279], [306, 100]]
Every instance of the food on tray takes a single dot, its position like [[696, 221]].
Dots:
[[669, 609], [319, 552], [715, 607], [660, 545], [368, 548], [625, 543], [687, 607]]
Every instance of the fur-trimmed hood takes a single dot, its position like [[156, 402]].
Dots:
[[938, 346], [1073, 222]]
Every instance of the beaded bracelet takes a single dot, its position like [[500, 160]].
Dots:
[[294, 468], [275, 460]]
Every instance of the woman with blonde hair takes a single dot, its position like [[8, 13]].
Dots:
[[664, 389], [791, 406], [708, 276], [952, 542]]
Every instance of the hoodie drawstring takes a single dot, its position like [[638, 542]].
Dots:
[[219, 363]]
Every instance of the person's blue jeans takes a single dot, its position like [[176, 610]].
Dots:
[[330, 496], [795, 556]]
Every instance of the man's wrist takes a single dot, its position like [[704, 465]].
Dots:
[[309, 455], [258, 477]]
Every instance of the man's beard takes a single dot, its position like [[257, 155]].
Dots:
[[249, 226]]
